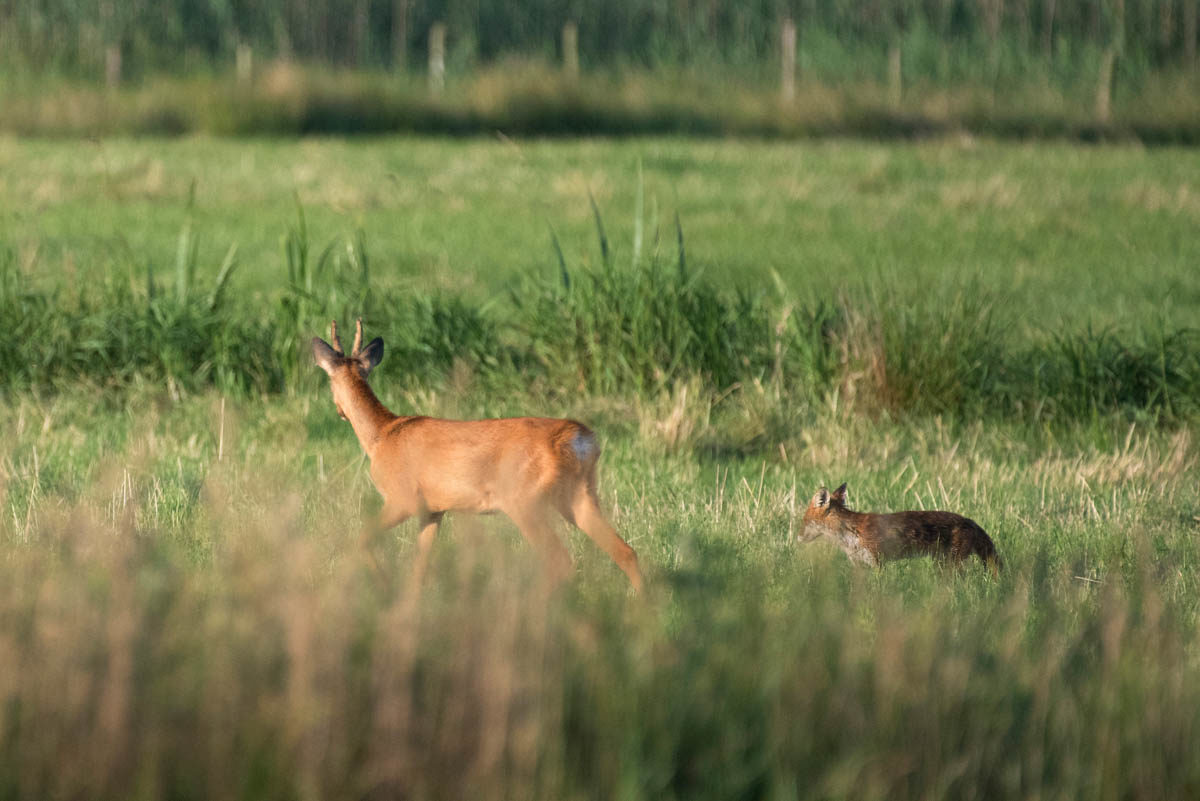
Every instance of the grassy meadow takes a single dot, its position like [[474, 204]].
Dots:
[[1084, 234], [1007, 331]]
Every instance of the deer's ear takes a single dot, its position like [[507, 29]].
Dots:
[[821, 499], [326, 357], [370, 356], [839, 494]]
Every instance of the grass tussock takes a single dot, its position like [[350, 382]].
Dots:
[[944, 353], [637, 325]]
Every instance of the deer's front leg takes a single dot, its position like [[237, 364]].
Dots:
[[389, 516], [429, 527]]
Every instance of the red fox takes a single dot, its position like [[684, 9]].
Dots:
[[873, 539]]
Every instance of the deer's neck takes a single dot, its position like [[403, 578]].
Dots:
[[366, 414]]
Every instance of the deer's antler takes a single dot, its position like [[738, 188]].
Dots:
[[357, 338], [337, 343]]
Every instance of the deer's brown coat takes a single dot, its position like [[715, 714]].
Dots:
[[528, 468]]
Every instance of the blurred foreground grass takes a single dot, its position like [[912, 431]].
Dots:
[[185, 614]]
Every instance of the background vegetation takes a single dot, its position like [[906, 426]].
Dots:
[[616, 303], [1021, 68], [941, 36]]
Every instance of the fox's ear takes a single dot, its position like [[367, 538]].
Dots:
[[839, 494], [821, 499]]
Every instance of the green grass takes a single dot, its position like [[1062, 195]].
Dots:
[[998, 330], [177, 624], [1057, 228]]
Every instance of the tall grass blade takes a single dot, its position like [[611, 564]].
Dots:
[[228, 264], [604, 250], [356, 252], [637, 217], [297, 248], [185, 262], [356, 256], [328, 257], [682, 250], [654, 228], [563, 273]]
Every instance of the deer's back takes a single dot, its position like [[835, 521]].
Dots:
[[476, 465]]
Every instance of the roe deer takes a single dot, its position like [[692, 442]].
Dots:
[[525, 467], [874, 538]]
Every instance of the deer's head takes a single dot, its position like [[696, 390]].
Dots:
[[347, 374]]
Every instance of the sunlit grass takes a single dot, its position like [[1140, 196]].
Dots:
[[1057, 228], [182, 623], [185, 610]]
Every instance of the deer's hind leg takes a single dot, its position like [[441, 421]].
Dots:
[[534, 524], [582, 510]]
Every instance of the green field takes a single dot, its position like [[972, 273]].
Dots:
[[1007, 331], [1090, 234]]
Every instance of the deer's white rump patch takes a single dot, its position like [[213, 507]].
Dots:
[[584, 445]]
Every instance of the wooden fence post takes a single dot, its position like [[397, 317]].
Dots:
[[570, 48], [399, 34], [112, 52], [1048, 29], [787, 58], [359, 34], [112, 66], [244, 60], [895, 78], [1104, 87], [1189, 32], [437, 57]]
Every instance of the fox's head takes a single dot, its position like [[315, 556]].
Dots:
[[821, 516]]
